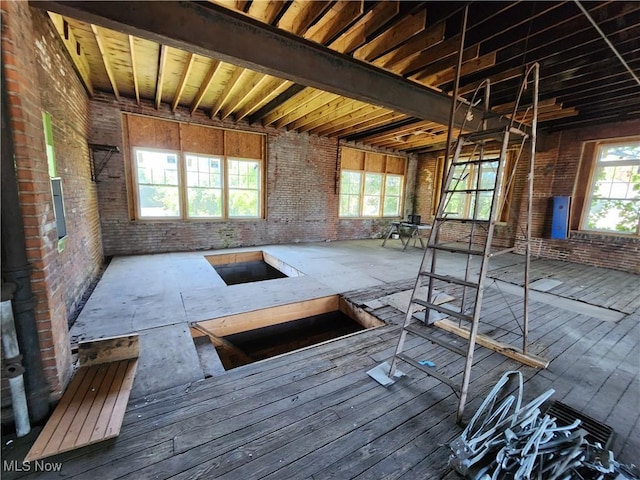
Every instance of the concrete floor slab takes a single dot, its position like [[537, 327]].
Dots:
[[158, 295]]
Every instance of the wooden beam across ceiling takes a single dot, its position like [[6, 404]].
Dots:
[[75, 51], [162, 63], [105, 61], [226, 91], [334, 21], [134, 70], [357, 34], [301, 14], [204, 86], [263, 94], [188, 26], [402, 31], [182, 82], [283, 97]]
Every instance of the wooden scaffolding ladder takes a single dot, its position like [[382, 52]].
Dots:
[[471, 196]]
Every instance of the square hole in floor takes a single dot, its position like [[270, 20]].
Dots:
[[247, 267], [252, 336]]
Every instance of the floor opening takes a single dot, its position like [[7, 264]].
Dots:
[[249, 337], [247, 267]]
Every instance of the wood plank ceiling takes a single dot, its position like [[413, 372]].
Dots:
[[582, 82]]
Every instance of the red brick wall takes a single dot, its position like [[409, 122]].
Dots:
[[302, 192], [556, 167], [40, 77], [302, 200]]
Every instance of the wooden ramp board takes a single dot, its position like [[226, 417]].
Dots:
[[495, 345], [91, 409]]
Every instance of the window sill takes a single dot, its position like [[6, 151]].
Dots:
[[605, 236], [195, 220]]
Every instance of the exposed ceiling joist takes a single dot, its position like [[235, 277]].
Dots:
[[188, 26], [204, 86], [228, 88], [276, 102], [271, 91], [162, 62], [301, 14], [105, 61], [182, 82], [76, 53], [394, 36], [134, 72]]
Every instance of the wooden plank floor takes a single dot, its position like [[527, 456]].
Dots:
[[604, 287], [316, 414]]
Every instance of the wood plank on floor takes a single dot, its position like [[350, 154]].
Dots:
[[79, 406]]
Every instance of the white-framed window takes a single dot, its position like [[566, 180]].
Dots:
[[158, 183], [175, 185], [204, 186], [370, 194], [613, 198], [244, 188], [350, 190], [468, 204]]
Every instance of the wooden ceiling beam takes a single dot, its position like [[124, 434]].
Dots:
[[279, 54], [299, 110], [326, 109], [494, 79], [276, 102], [301, 14], [378, 118], [402, 31], [267, 10], [400, 130], [425, 39], [335, 20], [352, 118], [73, 47], [468, 67], [302, 97], [271, 90], [134, 69], [373, 122], [204, 86], [162, 62], [245, 92], [226, 91], [357, 34], [321, 124], [105, 60], [437, 52], [183, 81], [445, 64]]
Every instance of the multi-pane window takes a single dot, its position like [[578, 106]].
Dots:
[[365, 194], [158, 183], [172, 185], [370, 184], [181, 171], [392, 195], [614, 199], [244, 188], [204, 186], [473, 184], [350, 187]]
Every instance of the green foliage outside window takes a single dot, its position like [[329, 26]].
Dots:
[[615, 193]]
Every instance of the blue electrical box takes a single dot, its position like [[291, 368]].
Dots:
[[560, 218]]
